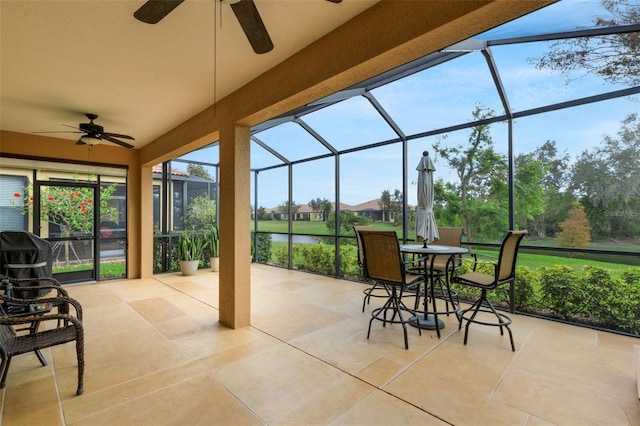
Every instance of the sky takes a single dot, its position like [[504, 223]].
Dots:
[[441, 96]]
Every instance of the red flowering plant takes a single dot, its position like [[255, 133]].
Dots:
[[71, 208]]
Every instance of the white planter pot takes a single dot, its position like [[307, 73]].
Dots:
[[215, 264], [189, 267]]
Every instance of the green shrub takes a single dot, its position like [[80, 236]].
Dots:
[[632, 277], [280, 256], [560, 289], [629, 316], [317, 258], [201, 213], [609, 302], [263, 254], [349, 267], [524, 290]]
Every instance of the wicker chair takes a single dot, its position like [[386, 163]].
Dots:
[[54, 311], [383, 263], [504, 272], [376, 289]]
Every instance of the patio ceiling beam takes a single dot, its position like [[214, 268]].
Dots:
[[339, 96]]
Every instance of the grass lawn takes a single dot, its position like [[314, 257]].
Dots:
[[315, 228], [107, 269], [535, 261]]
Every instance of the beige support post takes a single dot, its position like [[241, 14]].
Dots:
[[144, 257], [235, 240]]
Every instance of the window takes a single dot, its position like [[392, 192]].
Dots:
[[11, 217]]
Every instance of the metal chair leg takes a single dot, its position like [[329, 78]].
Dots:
[[4, 368], [484, 305], [395, 304]]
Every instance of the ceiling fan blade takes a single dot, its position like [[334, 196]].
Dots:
[[116, 135], [154, 10], [61, 131], [335, 1], [116, 141], [252, 25]]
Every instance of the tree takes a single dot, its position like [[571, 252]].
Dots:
[[348, 220], [615, 58], [201, 212], [284, 208], [322, 205], [482, 175], [607, 179], [391, 206], [396, 206], [199, 171], [446, 204], [385, 204], [576, 231], [70, 208], [530, 195], [557, 201], [262, 214]]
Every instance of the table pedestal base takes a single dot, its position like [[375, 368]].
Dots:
[[427, 322]]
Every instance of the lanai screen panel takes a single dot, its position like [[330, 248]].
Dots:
[[261, 158], [292, 141], [351, 123], [529, 86], [441, 96]]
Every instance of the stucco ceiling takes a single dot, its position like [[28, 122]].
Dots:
[[62, 59]]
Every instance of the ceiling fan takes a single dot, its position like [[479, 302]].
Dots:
[[245, 10], [94, 133]]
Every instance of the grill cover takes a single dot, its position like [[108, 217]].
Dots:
[[25, 255]]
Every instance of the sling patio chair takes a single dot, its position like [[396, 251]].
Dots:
[[375, 289], [503, 272], [444, 266], [383, 263]]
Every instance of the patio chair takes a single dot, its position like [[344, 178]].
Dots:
[[63, 324], [504, 272], [444, 266], [376, 289], [439, 264], [383, 263]]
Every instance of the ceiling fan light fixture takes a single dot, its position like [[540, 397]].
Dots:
[[90, 140]]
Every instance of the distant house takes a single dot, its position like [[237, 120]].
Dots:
[[369, 209]]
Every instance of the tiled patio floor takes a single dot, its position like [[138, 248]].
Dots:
[[156, 355]]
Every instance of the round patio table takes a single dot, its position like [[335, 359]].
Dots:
[[426, 321]]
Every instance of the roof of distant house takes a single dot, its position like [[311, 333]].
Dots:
[[177, 172]]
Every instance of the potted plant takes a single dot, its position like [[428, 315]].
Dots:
[[212, 242], [190, 247]]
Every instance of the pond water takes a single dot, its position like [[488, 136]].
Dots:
[[297, 239]]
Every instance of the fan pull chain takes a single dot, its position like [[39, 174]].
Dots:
[[89, 163]]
